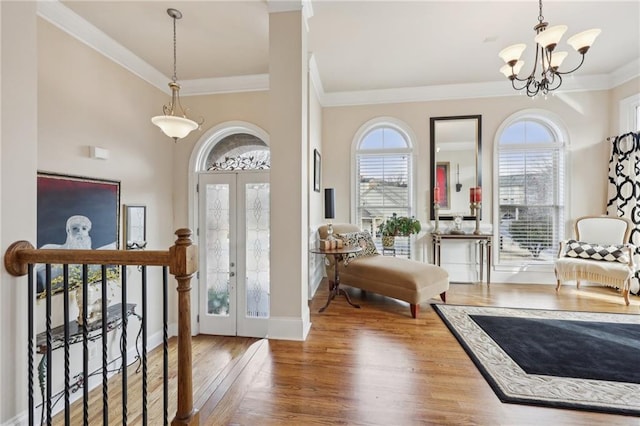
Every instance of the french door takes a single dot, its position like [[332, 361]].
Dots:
[[234, 239]]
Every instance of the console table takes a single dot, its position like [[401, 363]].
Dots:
[[334, 286], [483, 240], [94, 329]]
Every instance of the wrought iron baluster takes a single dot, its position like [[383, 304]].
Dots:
[[30, 337], [144, 346], [85, 346], [48, 331], [65, 309], [105, 372], [123, 346], [165, 342]]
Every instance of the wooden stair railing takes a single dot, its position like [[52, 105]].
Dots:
[[182, 260]]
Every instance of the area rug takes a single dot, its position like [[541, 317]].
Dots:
[[579, 360]]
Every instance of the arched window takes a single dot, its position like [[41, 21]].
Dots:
[[383, 172], [531, 171]]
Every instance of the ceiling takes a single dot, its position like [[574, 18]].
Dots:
[[363, 51]]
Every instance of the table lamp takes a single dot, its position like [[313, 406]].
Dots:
[[329, 210]]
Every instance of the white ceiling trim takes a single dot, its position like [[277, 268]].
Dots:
[[316, 81], [210, 86], [454, 91]]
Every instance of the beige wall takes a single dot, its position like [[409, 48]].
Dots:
[[84, 99], [64, 100], [316, 199], [18, 150], [585, 116], [616, 95]]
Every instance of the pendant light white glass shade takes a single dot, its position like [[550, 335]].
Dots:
[[174, 127], [583, 41], [512, 53], [508, 72], [551, 36], [558, 58]]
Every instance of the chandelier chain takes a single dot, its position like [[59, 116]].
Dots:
[[175, 74], [540, 17]]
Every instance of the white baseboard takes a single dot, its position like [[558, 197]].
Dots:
[[289, 328]]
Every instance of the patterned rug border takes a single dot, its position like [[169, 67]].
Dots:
[[512, 385]]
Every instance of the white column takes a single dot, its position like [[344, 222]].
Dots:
[[288, 65], [18, 168]]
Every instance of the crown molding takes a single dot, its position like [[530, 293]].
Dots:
[[456, 91], [210, 86], [316, 81]]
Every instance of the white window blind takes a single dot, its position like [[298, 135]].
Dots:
[[530, 193], [383, 167]]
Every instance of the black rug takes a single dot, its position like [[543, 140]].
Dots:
[[563, 359]]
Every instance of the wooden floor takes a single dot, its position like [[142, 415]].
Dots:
[[376, 366]]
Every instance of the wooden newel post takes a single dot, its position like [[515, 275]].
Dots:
[[183, 265]]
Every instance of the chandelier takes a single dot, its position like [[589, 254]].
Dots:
[[175, 123], [547, 60]]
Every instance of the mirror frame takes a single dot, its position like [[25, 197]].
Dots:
[[432, 134]]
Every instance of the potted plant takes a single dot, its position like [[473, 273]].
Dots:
[[397, 225]]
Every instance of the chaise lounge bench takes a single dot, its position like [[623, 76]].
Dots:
[[403, 279]]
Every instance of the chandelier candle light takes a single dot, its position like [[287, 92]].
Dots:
[[175, 123], [475, 200], [549, 60]]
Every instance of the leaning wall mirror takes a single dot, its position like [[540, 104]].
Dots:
[[456, 164]]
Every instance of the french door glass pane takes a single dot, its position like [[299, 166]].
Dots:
[[257, 249], [217, 239]]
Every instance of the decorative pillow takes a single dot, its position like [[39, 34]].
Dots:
[[358, 239], [611, 253]]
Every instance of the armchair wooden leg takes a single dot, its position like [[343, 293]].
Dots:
[[558, 285], [443, 296], [625, 293], [414, 310]]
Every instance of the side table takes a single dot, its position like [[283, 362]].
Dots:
[[334, 286], [484, 241]]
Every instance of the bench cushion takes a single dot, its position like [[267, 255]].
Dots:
[[404, 279]]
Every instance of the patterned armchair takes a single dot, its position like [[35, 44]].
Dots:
[[601, 253]]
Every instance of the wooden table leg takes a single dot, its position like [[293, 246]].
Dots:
[[488, 262], [481, 247]]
